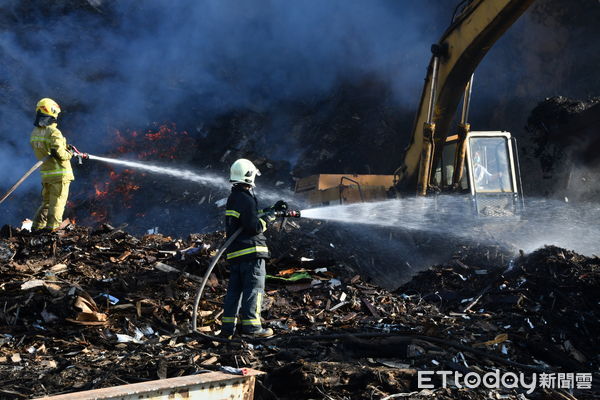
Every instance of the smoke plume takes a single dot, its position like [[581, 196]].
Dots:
[[129, 64]]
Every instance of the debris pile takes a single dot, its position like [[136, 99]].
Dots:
[[95, 308], [547, 302], [564, 133]]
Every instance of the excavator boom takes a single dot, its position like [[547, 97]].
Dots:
[[457, 54], [433, 161]]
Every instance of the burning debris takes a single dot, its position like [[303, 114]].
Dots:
[[163, 143], [96, 308]]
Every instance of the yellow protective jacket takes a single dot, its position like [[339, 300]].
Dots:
[[47, 140]]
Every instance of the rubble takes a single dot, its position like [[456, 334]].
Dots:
[[564, 133], [95, 308]]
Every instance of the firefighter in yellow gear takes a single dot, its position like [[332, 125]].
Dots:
[[49, 143]]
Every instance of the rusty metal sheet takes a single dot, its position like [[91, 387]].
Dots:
[[207, 386], [326, 181]]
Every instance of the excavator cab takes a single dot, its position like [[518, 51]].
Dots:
[[494, 175], [490, 175]]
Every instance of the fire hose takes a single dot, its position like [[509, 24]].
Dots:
[[38, 164], [20, 181], [282, 214]]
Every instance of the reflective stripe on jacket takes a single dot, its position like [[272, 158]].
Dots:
[[49, 140], [242, 211]]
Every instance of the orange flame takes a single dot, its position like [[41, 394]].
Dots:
[[164, 142]]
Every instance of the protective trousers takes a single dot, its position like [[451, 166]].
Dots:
[[54, 199], [244, 294]]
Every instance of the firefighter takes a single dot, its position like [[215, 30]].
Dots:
[[48, 143], [247, 253]]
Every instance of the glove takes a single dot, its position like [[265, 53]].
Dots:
[[269, 216], [266, 218], [280, 206], [76, 151]]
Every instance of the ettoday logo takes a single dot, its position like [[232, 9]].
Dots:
[[506, 380]]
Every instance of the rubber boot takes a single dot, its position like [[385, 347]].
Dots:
[[261, 333], [225, 334]]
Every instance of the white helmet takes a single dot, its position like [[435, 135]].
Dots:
[[243, 171]]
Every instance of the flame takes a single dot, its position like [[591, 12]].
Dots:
[[99, 216], [101, 192], [163, 142]]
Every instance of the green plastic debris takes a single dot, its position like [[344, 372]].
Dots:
[[292, 278]]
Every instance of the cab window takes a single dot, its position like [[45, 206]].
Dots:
[[490, 165]]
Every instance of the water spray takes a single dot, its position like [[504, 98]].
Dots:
[[185, 174], [188, 175], [568, 225]]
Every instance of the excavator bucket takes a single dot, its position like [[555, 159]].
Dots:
[[334, 189]]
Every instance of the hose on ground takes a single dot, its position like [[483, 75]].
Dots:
[[207, 275]]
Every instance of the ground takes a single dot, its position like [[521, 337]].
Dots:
[[94, 308]]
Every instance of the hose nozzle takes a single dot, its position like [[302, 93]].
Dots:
[[288, 214], [293, 214]]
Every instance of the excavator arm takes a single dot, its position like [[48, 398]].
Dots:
[[464, 44], [474, 29]]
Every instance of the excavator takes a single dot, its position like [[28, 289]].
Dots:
[[483, 165]]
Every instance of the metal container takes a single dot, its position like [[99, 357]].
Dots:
[[206, 386]]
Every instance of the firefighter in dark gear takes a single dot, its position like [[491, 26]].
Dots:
[[46, 140], [247, 253]]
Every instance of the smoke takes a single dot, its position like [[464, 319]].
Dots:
[[145, 61], [127, 64], [547, 52], [139, 62]]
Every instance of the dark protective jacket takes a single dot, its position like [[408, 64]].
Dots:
[[242, 211]]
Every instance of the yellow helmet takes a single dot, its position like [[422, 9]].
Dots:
[[48, 107]]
